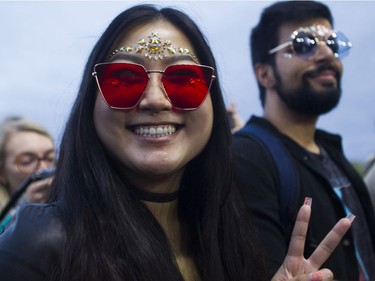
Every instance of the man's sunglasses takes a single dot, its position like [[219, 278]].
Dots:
[[305, 43], [122, 85]]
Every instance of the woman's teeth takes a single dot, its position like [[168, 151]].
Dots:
[[155, 131]]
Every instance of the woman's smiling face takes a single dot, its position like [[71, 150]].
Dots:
[[153, 141]]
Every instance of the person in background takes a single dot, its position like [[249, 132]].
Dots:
[[143, 188], [296, 56], [235, 120], [25, 147], [370, 178]]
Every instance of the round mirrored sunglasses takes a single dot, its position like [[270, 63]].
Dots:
[[305, 44]]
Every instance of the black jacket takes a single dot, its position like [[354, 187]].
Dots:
[[258, 179], [31, 245]]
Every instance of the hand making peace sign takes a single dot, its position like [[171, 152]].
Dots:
[[296, 267]]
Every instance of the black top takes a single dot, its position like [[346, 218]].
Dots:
[[31, 245], [257, 176]]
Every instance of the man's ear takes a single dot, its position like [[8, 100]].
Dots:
[[265, 75]]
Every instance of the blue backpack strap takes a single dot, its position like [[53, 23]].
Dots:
[[286, 172]]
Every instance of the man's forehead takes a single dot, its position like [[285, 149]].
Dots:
[[314, 24]]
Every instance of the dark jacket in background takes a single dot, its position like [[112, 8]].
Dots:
[[31, 245], [258, 178]]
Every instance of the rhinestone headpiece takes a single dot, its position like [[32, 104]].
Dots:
[[154, 48]]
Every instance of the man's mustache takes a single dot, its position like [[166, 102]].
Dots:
[[321, 68]]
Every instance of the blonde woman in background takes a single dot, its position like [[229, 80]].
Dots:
[[25, 147]]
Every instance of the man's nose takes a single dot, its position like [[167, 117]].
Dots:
[[324, 51]]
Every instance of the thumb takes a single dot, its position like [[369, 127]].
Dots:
[[321, 275]]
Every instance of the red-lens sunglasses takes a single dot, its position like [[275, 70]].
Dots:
[[122, 85]]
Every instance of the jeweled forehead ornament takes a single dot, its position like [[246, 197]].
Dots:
[[154, 48]]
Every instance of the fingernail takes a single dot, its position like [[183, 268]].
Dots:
[[319, 275], [308, 201], [351, 217]]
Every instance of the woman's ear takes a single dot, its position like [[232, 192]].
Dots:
[[265, 75]]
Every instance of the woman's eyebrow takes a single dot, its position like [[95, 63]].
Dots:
[[130, 57], [28, 152], [140, 59], [177, 58]]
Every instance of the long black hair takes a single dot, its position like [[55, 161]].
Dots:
[[110, 234]]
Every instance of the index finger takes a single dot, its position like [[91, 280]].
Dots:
[[330, 242], [298, 238]]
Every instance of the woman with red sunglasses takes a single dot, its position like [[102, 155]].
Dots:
[[143, 187]]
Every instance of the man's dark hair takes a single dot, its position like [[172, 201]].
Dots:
[[264, 36]]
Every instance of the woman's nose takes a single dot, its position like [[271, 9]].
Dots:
[[155, 99], [43, 165]]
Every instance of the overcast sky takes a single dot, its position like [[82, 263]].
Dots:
[[44, 46]]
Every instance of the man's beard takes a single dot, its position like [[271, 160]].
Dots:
[[307, 101]]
